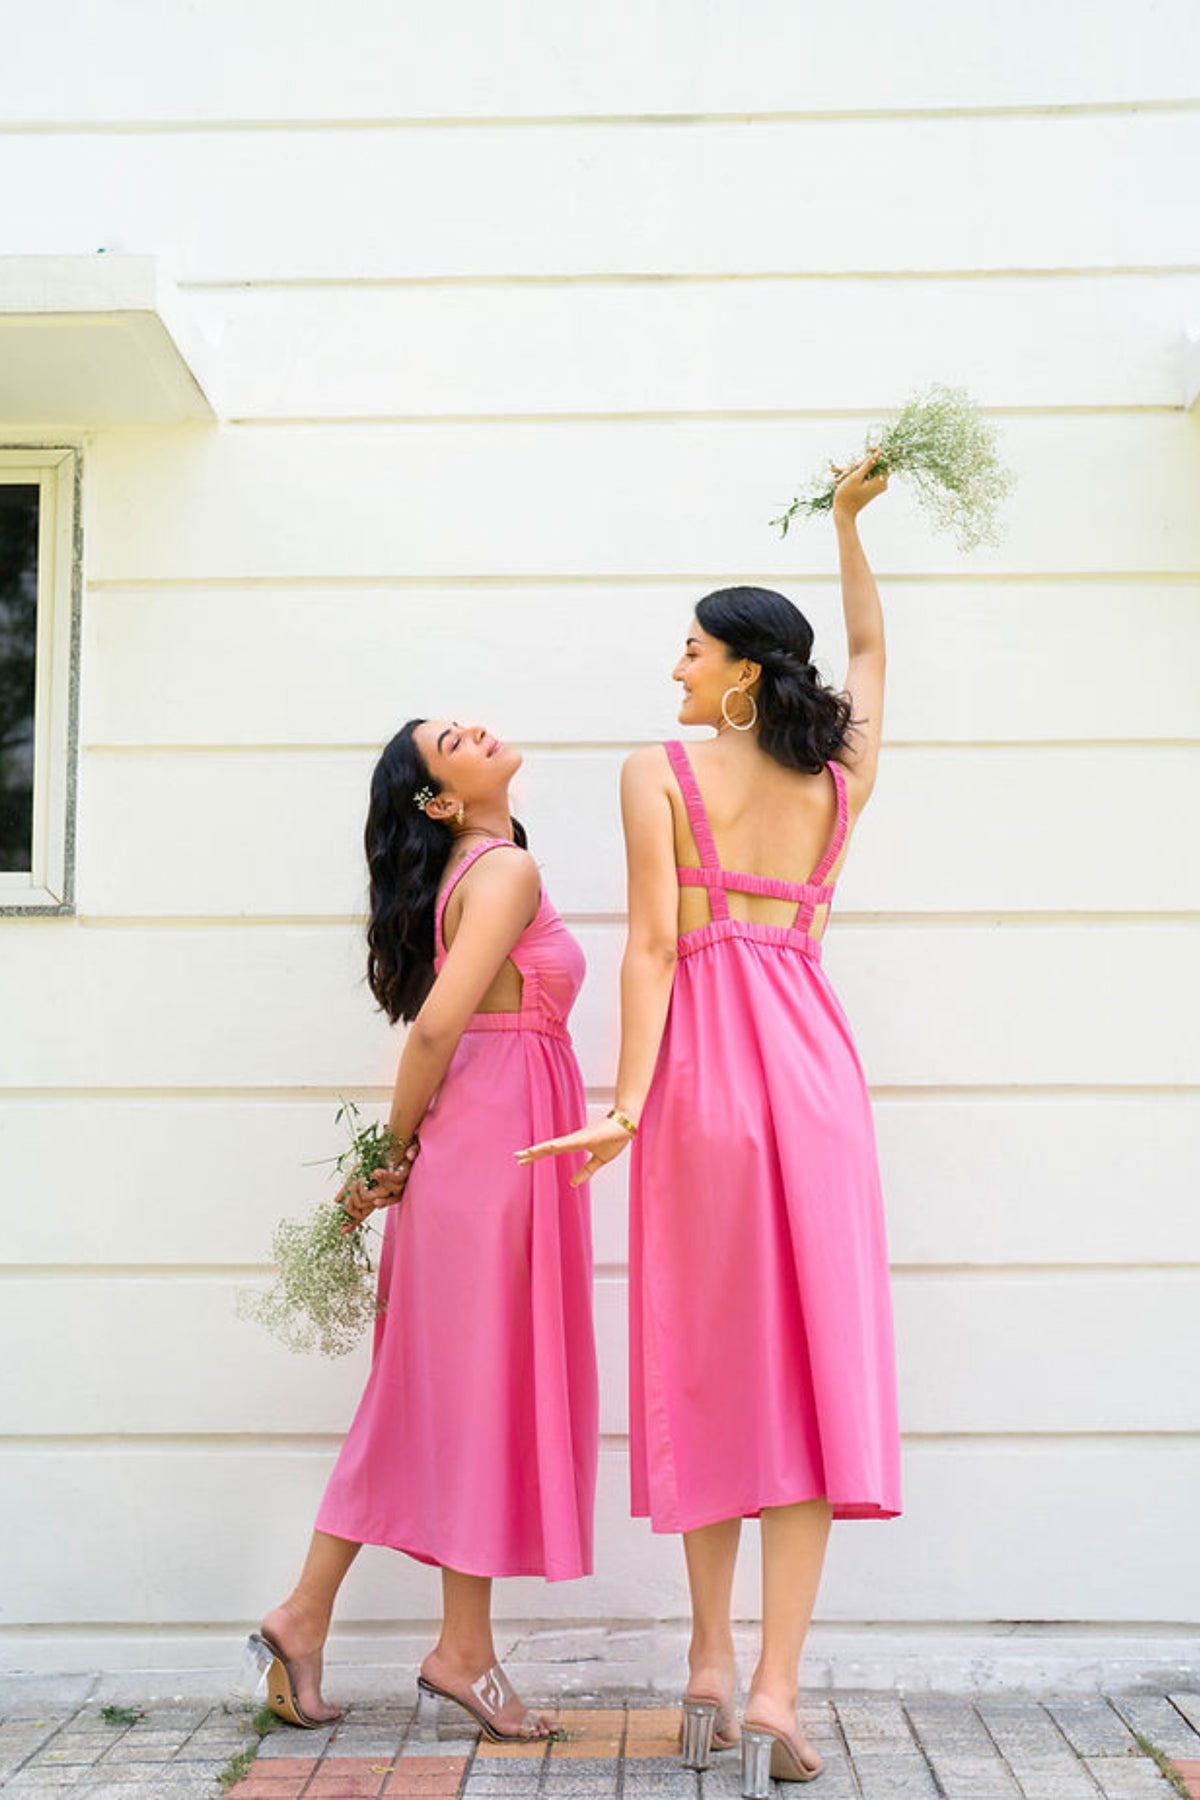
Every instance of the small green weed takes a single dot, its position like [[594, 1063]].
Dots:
[[236, 1767], [1166, 1767], [121, 1715]]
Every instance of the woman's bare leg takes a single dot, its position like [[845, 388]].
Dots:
[[466, 1650], [301, 1624], [793, 1554], [711, 1553]]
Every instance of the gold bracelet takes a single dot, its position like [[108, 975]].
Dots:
[[625, 1123]]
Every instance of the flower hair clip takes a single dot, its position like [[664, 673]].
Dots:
[[422, 797]]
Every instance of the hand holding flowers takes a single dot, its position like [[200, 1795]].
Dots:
[[323, 1296], [940, 442]]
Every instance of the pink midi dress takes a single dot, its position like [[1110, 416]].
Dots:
[[474, 1446], [761, 1354]]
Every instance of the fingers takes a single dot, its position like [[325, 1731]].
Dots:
[[534, 1152]]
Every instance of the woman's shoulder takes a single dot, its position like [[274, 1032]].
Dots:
[[498, 866], [648, 763]]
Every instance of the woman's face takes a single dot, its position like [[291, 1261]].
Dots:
[[705, 672], [468, 762]]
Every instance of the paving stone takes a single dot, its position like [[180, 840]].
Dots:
[[1189, 1705], [307, 1746], [677, 1783], [907, 1777], [46, 1780], [1074, 1784], [149, 1747], [1128, 1778], [1091, 1727], [1161, 1723], [350, 1741], [521, 1776]]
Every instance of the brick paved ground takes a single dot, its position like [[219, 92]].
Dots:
[[876, 1747]]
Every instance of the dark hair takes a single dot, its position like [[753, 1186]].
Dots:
[[802, 722], [407, 853]]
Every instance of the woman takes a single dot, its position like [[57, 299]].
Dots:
[[475, 1444], [762, 1381]]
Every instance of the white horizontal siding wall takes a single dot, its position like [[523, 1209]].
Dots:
[[525, 333]]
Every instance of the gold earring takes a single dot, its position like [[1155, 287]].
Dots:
[[461, 814], [746, 725]]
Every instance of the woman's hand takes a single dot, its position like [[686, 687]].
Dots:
[[603, 1142], [385, 1188], [857, 487]]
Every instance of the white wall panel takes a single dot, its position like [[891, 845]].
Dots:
[[991, 1531], [1081, 1180], [947, 831], [638, 499], [1051, 191], [979, 1353], [285, 1007], [421, 61], [591, 662], [640, 348]]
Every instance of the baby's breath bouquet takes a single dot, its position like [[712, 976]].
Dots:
[[948, 452], [323, 1296]]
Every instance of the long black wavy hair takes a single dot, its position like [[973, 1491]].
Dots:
[[407, 853], [802, 722]]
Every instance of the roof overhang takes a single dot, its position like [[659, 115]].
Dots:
[[90, 341]]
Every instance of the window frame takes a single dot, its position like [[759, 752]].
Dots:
[[49, 886]]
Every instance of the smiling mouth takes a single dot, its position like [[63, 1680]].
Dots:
[[494, 746]]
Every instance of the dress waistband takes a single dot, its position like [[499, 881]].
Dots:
[[519, 1021], [780, 937]]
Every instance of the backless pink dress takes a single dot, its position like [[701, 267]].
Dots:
[[761, 1356], [474, 1446]]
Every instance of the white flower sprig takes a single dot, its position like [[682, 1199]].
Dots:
[[323, 1296], [949, 453]]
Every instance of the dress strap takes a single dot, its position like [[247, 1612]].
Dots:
[[467, 862], [839, 831], [698, 820]]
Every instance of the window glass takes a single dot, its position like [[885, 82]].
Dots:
[[18, 669]]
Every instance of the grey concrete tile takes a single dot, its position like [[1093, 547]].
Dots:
[[44, 1780], [597, 1783], [1091, 1727], [143, 1775], [515, 1777], [519, 1779], [291, 1740], [1075, 1786], [146, 1747], [1129, 1778], [417, 1745], [959, 1770], [80, 1746], [187, 1787], [1189, 1705], [352, 1741], [1161, 1723], [906, 1777]]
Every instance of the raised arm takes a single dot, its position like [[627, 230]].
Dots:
[[864, 629]]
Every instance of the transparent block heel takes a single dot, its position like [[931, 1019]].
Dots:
[[699, 1717], [756, 1763], [251, 1683], [427, 1719]]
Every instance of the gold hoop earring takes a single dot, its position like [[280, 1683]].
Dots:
[[751, 722]]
